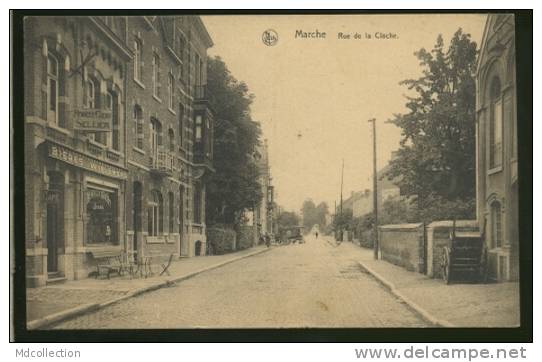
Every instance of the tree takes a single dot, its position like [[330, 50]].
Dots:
[[234, 186], [314, 215], [436, 158], [287, 219]]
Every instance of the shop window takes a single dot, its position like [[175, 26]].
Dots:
[[171, 212], [155, 212], [495, 125], [496, 224], [138, 123], [138, 56], [101, 215], [52, 88]]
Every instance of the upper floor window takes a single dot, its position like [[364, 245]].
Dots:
[[198, 204], [171, 140], [138, 123], [495, 124], [198, 131], [171, 91], [156, 136], [181, 124], [138, 64], [496, 224], [52, 88], [89, 94], [156, 75], [112, 104]]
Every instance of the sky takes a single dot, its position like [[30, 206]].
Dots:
[[314, 96]]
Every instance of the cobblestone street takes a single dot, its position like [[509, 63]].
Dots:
[[315, 284]]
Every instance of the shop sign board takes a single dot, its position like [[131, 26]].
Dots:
[[83, 161], [92, 120]]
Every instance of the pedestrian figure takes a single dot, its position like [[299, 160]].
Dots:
[[267, 240], [316, 233]]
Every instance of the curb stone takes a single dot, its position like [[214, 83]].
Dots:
[[86, 308], [411, 304]]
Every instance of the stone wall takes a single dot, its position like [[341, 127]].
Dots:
[[438, 236], [245, 237], [222, 240], [403, 245]]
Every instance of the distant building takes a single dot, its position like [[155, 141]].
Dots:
[[496, 146], [361, 203]]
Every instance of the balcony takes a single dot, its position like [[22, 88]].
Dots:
[[162, 163]]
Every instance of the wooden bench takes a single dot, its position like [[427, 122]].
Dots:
[[108, 261]]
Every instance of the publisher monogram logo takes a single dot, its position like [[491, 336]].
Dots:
[[270, 37]]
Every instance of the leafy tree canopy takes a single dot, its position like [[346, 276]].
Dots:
[[436, 157], [234, 187]]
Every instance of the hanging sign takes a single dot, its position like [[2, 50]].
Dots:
[[92, 120]]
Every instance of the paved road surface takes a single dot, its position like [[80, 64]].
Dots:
[[310, 285]]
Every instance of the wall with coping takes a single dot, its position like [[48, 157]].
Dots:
[[403, 245]]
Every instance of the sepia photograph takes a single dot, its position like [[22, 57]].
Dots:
[[270, 171]]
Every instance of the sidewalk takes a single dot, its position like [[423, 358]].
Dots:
[[454, 305], [53, 303]]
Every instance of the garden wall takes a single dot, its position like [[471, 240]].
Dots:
[[221, 240], [403, 245]]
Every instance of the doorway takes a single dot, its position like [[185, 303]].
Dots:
[[137, 205], [55, 218], [183, 246]]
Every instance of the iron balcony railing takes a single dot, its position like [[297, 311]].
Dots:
[[162, 162]]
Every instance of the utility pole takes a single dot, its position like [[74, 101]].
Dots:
[[341, 219], [342, 178], [375, 193]]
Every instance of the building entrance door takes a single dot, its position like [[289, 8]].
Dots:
[[183, 245], [137, 216], [54, 220]]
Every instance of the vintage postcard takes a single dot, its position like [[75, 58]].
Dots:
[[266, 171]]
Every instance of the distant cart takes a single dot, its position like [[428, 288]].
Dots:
[[291, 234]]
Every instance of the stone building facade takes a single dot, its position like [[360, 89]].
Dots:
[[169, 133], [496, 148], [81, 130]]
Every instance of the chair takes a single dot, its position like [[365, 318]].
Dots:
[[165, 267]]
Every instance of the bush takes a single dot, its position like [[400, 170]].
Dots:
[[221, 240]]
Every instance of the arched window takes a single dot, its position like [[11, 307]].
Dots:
[[52, 88], [495, 124], [138, 65], [496, 224], [156, 136], [89, 96], [138, 123], [112, 104], [171, 91], [155, 214]]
